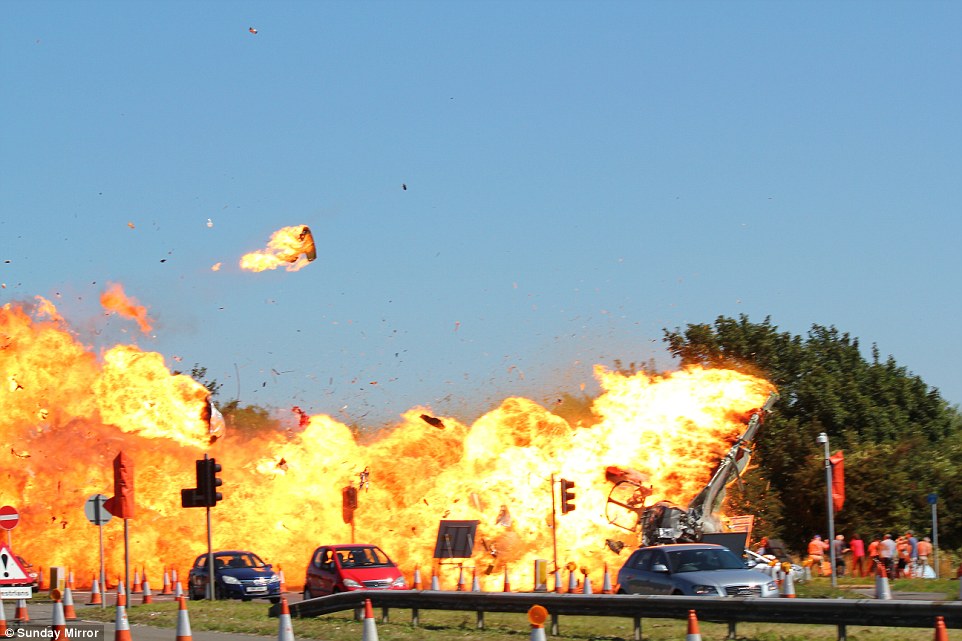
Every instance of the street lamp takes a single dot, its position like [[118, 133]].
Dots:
[[823, 439]]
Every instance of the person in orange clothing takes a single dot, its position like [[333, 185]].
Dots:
[[873, 556], [925, 551], [857, 546], [816, 553], [904, 551]]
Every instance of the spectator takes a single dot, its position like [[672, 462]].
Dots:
[[816, 553], [857, 546], [839, 548], [904, 559], [925, 551], [886, 553], [913, 545], [873, 552]]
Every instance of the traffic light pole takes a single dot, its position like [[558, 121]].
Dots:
[[211, 573], [554, 526]]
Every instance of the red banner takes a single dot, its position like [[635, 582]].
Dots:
[[122, 503], [838, 480]]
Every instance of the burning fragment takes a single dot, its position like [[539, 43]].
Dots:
[[435, 422], [131, 225], [115, 300], [253, 30], [283, 249], [210, 223]]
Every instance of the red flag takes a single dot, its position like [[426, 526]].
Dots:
[[838, 480], [122, 503]]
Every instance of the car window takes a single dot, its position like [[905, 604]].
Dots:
[[706, 559], [659, 558]]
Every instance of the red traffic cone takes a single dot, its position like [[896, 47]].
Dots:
[[606, 582], [693, 633], [475, 583], [417, 578], [941, 633], [435, 581], [461, 580], [370, 630], [58, 627], [121, 624], [69, 612], [507, 579], [21, 614], [882, 590], [95, 597], [586, 588], [572, 582], [136, 587], [557, 581], [183, 621], [145, 588], [280, 575], [284, 630], [3, 619], [167, 588]]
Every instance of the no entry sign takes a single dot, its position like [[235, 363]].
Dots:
[[9, 517]]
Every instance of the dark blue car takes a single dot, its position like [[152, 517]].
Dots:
[[237, 575]]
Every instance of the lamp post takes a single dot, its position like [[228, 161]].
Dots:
[[823, 439]]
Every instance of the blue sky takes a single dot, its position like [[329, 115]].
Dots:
[[579, 177]]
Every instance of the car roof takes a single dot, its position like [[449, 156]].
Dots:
[[684, 546], [349, 546]]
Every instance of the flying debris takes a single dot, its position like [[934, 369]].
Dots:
[[253, 30], [210, 223], [284, 248], [404, 186], [430, 420]]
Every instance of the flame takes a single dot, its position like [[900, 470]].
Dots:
[[114, 299], [284, 249], [69, 413]]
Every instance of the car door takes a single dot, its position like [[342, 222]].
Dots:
[[632, 575], [314, 581], [658, 582]]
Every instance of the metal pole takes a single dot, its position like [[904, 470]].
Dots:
[[935, 536], [127, 559], [823, 438], [211, 570], [554, 529], [103, 578]]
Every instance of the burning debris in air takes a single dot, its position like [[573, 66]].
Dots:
[[289, 247]]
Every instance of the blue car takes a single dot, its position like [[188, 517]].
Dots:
[[237, 575]]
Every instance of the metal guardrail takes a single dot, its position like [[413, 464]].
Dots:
[[840, 612]]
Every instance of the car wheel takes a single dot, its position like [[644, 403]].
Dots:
[[275, 599], [621, 591]]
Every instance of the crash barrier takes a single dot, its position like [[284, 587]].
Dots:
[[731, 610]]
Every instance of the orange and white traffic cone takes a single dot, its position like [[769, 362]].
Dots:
[[572, 582], [417, 578], [693, 633], [370, 629], [606, 582], [20, 614], [183, 621], [537, 615], [121, 624], [882, 590], [280, 575], [70, 583], [475, 583], [58, 627], [461, 582], [178, 591], [40, 582], [69, 612], [95, 597], [167, 588], [145, 588], [787, 589], [435, 581], [136, 587], [586, 588], [3, 619], [557, 581], [285, 632], [941, 632], [507, 579]]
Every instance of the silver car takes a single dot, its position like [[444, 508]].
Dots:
[[692, 569]]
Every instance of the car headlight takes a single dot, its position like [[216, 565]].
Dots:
[[229, 580], [772, 586], [275, 579], [351, 583], [399, 583], [702, 590]]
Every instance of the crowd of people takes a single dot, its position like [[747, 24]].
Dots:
[[904, 556]]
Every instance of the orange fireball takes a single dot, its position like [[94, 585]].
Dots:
[[70, 413]]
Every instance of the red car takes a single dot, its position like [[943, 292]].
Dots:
[[355, 566]]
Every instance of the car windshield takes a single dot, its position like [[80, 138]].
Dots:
[[237, 561], [362, 557], [700, 560]]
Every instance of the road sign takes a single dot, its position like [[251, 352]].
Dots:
[[9, 517], [11, 572], [95, 510], [932, 498]]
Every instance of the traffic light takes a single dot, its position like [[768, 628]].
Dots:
[[207, 481], [190, 497], [348, 503], [567, 496]]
